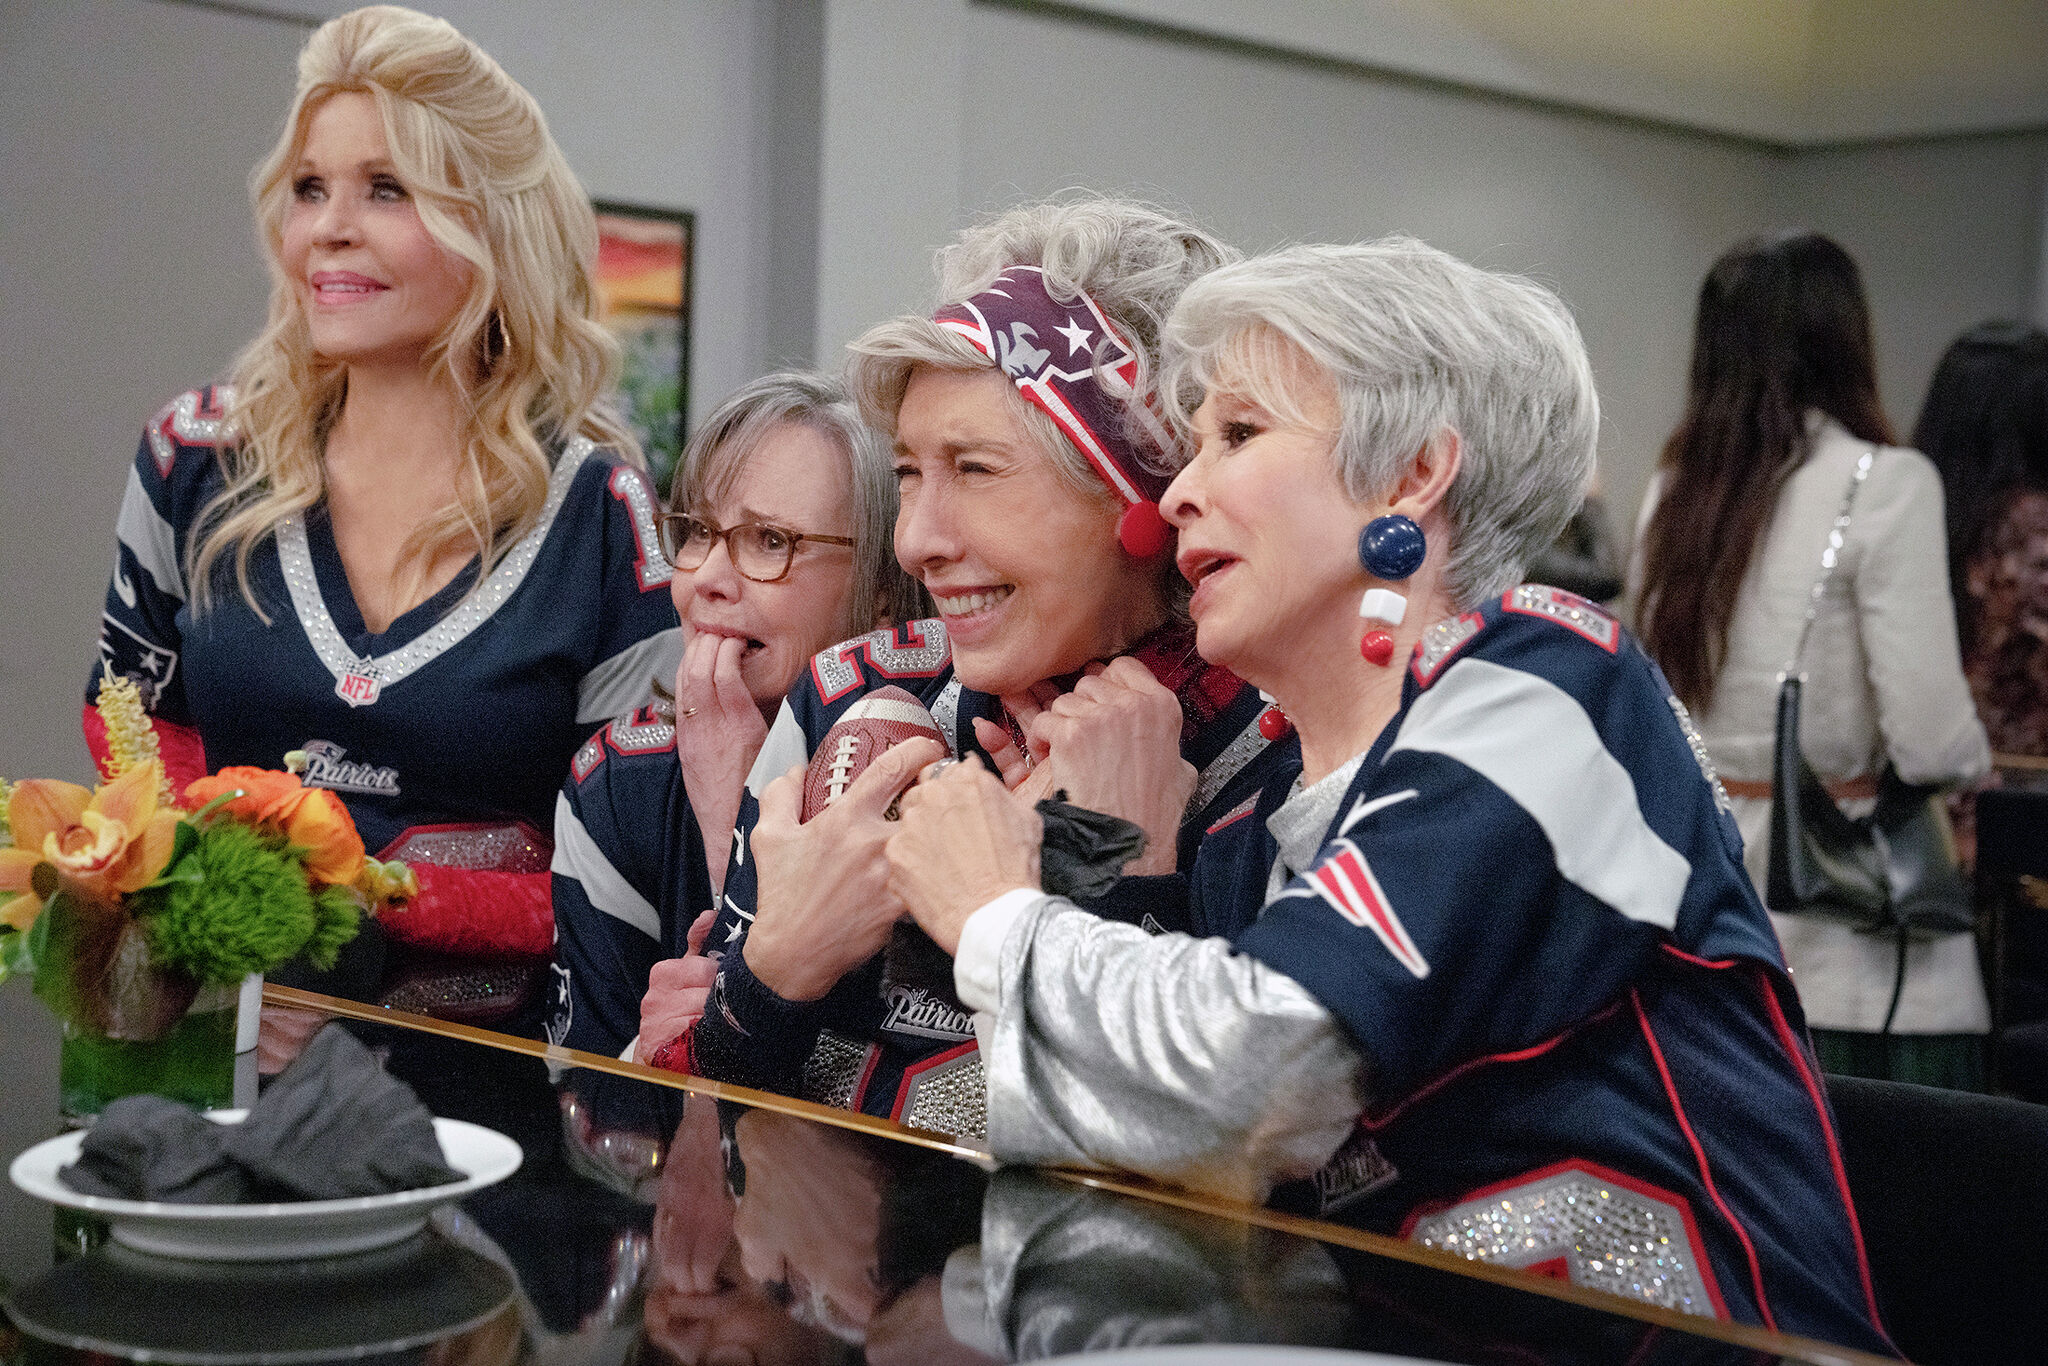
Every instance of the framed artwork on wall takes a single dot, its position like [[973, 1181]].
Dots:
[[643, 280]]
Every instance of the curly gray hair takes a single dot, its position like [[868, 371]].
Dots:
[[1132, 259]]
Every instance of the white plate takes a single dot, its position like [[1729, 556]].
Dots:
[[299, 1228]]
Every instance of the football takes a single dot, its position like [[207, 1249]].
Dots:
[[885, 717]]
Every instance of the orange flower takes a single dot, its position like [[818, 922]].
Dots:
[[267, 795], [111, 841], [321, 826]]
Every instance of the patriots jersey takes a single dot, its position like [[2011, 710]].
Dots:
[[465, 709], [891, 1039], [1584, 1055]]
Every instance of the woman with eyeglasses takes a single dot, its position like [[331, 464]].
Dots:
[[778, 532]]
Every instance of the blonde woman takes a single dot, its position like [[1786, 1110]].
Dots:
[[406, 539]]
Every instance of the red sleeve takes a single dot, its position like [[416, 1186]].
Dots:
[[462, 910]]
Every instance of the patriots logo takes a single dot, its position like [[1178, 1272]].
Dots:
[[1018, 357], [1345, 880]]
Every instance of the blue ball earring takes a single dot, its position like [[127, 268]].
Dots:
[[1390, 548]]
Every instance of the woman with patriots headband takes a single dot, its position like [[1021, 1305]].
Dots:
[[1488, 973], [1029, 460]]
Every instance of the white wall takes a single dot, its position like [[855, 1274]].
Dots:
[[1622, 218], [128, 271]]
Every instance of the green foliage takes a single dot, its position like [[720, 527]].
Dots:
[[651, 391], [15, 960], [337, 914], [248, 910]]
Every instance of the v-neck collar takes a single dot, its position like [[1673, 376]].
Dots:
[[337, 594], [316, 578]]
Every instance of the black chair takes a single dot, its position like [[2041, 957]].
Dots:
[[1952, 1192], [2012, 844]]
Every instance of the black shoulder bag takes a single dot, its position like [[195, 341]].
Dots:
[[1894, 870]]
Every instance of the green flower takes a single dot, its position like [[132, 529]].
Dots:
[[236, 903]]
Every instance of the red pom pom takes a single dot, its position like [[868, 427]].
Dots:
[[1377, 647], [1141, 531], [1274, 725]]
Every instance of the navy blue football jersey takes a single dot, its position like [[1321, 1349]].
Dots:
[[892, 1039], [466, 709], [1583, 1052]]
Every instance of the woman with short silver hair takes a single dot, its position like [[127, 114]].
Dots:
[[1488, 973]]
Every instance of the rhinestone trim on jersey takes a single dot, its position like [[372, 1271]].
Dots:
[[296, 557], [1610, 1237], [951, 1098], [946, 715], [833, 1070], [181, 414], [1535, 599], [495, 848], [1699, 750], [1441, 640], [1248, 745]]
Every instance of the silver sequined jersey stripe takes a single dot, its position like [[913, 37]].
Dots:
[[1167, 1054]]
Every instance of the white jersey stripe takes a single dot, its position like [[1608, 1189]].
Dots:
[[621, 683], [1529, 738], [149, 538], [785, 748], [577, 856]]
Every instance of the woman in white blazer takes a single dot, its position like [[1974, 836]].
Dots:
[[1782, 407]]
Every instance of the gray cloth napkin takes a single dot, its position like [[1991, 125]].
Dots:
[[334, 1124], [1083, 852]]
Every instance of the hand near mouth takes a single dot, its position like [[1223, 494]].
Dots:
[[717, 741], [1113, 744]]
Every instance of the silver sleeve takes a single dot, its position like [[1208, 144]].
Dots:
[[1166, 1054]]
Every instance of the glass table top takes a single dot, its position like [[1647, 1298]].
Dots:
[[660, 1218]]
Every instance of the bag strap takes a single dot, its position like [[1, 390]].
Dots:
[[1838, 536]]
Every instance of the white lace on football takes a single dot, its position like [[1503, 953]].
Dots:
[[842, 767]]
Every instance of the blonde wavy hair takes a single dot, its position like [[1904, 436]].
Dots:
[[525, 352]]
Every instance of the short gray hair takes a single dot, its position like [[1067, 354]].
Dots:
[[726, 439], [1133, 259], [1415, 341]]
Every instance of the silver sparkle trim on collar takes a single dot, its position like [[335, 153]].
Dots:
[[1248, 745], [295, 556], [946, 714]]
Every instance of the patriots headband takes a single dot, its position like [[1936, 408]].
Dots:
[[1070, 363]]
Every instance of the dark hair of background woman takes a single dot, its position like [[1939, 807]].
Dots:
[[1782, 329], [1985, 427]]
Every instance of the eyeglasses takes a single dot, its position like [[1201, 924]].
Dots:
[[760, 552]]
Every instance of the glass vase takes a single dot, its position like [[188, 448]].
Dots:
[[194, 1063]]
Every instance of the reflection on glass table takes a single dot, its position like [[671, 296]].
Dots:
[[658, 1218]]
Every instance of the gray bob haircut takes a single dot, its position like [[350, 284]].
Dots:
[[1133, 259], [724, 441], [1415, 341]]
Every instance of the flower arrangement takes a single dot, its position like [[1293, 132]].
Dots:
[[125, 901]]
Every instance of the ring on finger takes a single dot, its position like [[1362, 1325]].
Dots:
[[686, 713]]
